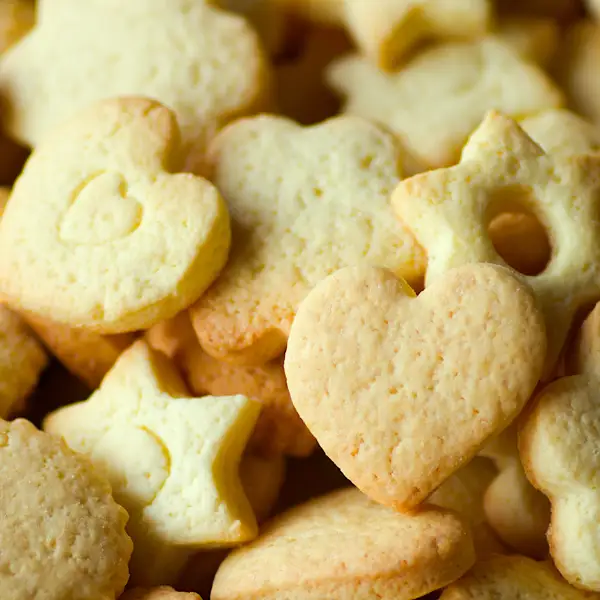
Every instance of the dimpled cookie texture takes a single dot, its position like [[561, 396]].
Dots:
[[99, 233], [204, 63], [345, 547], [446, 370], [294, 226], [172, 460], [63, 535]]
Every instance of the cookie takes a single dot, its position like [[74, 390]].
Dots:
[[17, 17], [385, 33], [172, 460], [159, 593], [87, 355], [463, 492], [470, 77], [558, 444], [279, 429], [119, 241], [292, 227], [446, 370], [503, 170], [518, 513], [345, 546], [63, 534], [534, 38], [204, 63], [512, 577], [594, 7], [262, 478]]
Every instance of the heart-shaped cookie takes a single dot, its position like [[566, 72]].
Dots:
[[101, 232], [401, 391]]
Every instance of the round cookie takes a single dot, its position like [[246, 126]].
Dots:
[[343, 546], [63, 535]]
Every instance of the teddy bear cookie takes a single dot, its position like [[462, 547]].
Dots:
[[470, 77], [503, 170], [447, 370], [279, 430], [159, 593], [119, 240], [203, 62], [153, 441], [344, 546], [558, 444], [293, 227], [63, 535], [513, 577]]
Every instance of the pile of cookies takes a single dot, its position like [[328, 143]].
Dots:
[[300, 299]]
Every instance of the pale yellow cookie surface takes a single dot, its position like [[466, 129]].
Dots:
[[117, 240], [172, 459], [346, 547], [400, 391], [63, 535], [293, 226]]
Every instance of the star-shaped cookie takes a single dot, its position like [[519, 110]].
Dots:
[[172, 460], [501, 171]]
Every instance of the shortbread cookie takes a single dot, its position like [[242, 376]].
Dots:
[[345, 546], [204, 63], [534, 38], [87, 355], [558, 443], [279, 429], [446, 370], [262, 478], [577, 68], [513, 578], [118, 241], [463, 492], [387, 31], [503, 170], [518, 513], [293, 227], [172, 460], [436, 100], [63, 536], [159, 593], [17, 17]]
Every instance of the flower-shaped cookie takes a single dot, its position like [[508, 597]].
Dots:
[[304, 202], [503, 170], [436, 100], [172, 460], [401, 391], [61, 533], [558, 443], [204, 63], [344, 546], [100, 233], [513, 578]]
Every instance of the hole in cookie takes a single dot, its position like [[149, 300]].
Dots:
[[517, 234]]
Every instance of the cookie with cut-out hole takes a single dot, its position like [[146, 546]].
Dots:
[[172, 460], [463, 492], [292, 227], [470, 77], [558, 444], [203, 62], [518, 513], [513, 577], [503, 170], [345, 546], [101, 232], [388, 31], [63, 535], [401, 391], [159, 593], [279, 429]]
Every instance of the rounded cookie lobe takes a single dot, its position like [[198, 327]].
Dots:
[[63, 535], [343, 546], [401, 391]]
